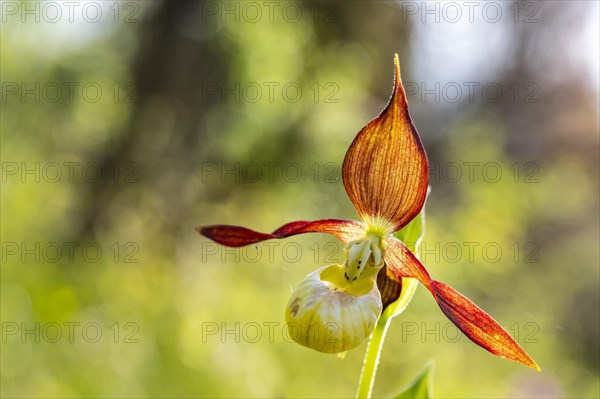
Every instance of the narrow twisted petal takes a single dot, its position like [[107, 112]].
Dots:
[[480, 327], [385, 170], [237, 236]]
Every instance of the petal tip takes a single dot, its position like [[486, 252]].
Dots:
[[534, 365], [522, 358], [398, 88], [397, 68]]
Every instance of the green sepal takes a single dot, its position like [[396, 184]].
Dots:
[[411, 235]]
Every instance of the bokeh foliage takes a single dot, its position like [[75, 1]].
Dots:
[[164, 144]]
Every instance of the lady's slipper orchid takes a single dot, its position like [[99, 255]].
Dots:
[[385, 173]]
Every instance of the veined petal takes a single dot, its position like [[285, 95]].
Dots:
[[389, 286], [403, 263], [385, 170], [345, 230], [232, 236], [237, 236], [480, 327]]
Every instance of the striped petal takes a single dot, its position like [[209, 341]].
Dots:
[[237, 236], [389, 286], [480, 327], [385, 170]]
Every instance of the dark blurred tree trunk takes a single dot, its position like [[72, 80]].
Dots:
[[168, 72]]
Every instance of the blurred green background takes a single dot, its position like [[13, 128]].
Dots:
[[126, 124]]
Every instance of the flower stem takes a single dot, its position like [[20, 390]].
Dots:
[[369, 370], [373, 353]]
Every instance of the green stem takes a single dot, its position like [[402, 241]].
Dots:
[[369, 370], [373, 353]]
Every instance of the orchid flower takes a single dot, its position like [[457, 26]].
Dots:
[[385, 173]]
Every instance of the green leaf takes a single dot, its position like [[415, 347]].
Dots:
[[420, 387]]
